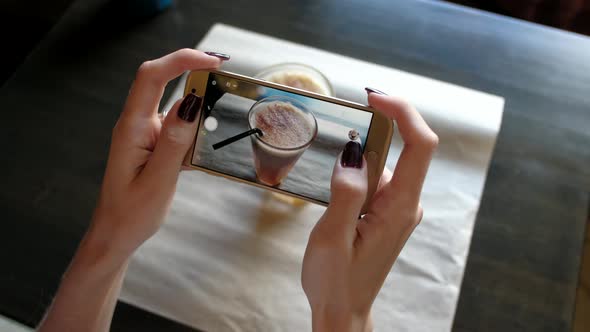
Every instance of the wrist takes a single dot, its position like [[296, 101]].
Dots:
[[111, 235], [340, 320], [98, 250]]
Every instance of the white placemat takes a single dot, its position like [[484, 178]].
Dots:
[[229, 255], [8, 325]]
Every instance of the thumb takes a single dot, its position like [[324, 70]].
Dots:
[[348, 189], [176, 136]]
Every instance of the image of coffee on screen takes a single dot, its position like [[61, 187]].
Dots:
[[289, 141]]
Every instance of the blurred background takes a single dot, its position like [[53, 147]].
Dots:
[[572, 15], [39, 16]]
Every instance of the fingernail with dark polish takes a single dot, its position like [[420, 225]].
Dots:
[[189, 107], [221, 56], [379, 92], [352, 156]]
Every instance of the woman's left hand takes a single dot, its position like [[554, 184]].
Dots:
[[139, 182], [146, 153]]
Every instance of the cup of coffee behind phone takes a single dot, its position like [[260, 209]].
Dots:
[[288, 129], [297, 75]]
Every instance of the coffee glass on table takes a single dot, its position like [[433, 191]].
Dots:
[[297, 75], [288, 129]]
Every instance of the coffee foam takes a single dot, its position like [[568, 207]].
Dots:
[[298, 80], [283, 125]]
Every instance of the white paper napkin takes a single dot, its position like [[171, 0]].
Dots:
[[229, 255]]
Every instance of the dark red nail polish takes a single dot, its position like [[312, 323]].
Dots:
[[352, 156], [189, 107], [371, 90], [221, 56]]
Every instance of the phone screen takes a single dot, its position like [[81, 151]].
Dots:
[[294, 142]]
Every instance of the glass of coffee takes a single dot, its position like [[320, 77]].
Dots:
[[297, 75], [288, 129]]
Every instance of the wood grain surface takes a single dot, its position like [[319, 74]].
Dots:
[[522, 271]]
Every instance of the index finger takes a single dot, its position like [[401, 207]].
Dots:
[[152, 77], [420, 143]]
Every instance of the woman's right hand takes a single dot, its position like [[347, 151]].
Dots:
[[348, 258]]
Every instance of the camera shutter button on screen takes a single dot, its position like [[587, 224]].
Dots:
[[210, 123]]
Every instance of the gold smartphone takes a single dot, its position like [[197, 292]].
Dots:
[[280, 138]]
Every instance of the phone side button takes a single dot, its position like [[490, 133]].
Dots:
[[372, 158], [372, 164]]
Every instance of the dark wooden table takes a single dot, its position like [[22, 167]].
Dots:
[[522, 271]]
